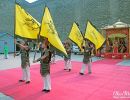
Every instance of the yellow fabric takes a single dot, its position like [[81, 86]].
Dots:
[[25, 25], [48, 30], [94, 36], [84, 43], [76, 36]]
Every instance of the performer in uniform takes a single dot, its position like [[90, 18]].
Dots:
[[45, 66], [25, 64], [67, 59], [53, 56], [86, 59]]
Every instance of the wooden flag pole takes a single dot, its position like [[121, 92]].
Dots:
[[14, 26], [38, 40], [36, 48]]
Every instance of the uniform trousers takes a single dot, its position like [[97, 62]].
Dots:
[[26, 73], [68, 64], [47, 82], [84, 67]]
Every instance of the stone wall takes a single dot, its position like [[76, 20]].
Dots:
[[65, 12]]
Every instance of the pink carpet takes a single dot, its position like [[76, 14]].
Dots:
[[106, 79]]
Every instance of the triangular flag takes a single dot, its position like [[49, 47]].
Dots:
[[48, 30], [94, 36], [25, 25], [76, 36]]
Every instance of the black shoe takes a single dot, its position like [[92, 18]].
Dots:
[[47, 91], [81, 73], [89, 72], [69, 70], [21, 80], [65, 69], [43, 90], [27, 82]]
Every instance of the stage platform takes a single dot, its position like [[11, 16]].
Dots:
[[107, 79], [115, 55]]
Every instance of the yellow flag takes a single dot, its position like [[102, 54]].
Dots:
[[48, 30], [94, 36], [76, 36], [25, 25]]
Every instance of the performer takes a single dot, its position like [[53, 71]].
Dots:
[[67, 59], [25, 64], [86, 59], [6, 50], [45, 66], [122, 47], [53, 57], [115, 46]]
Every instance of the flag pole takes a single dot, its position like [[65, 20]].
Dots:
[[14, 26], [37, 46], [38, 36]]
